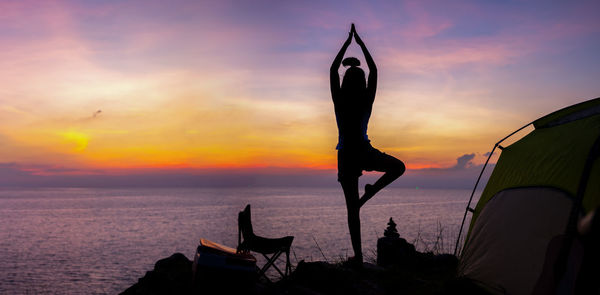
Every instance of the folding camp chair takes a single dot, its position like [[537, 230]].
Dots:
[[264, 246]]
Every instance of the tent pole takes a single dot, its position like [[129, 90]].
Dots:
[[477, 183], [470, 199]]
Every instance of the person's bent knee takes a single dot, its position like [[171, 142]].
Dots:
[[398, 169], [401, 167]]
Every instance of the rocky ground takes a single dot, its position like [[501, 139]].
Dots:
[[421, 273]]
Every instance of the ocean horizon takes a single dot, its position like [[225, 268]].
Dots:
[[101, 240]]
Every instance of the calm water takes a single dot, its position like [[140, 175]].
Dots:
[[93, 241]]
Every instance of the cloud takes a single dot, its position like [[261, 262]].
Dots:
[[464, 161]]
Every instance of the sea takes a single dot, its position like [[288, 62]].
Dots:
[[102, 240]]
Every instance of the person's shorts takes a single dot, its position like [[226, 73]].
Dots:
[[352, 161]]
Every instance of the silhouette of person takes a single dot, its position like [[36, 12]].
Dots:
[[353, 103]]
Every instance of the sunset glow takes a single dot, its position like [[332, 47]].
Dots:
[[105, 86]]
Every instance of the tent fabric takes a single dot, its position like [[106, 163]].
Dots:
[[568, 114], [509, 241], [592, 192], [548, 157], [529, 196]]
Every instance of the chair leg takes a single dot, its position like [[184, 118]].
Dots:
[[263, 270], [271, 262], [262, 274], [288, 266]]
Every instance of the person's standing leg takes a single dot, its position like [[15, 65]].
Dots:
[[350, 187]]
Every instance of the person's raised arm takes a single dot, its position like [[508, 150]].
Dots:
[[334, 77], [372, 82]]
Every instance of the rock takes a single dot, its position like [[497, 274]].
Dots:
[[172, 275], [394, 251], [446, 260], [426, 274], [391, 231], [325, 278]]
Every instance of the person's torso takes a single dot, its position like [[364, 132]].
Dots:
[[352, 117]]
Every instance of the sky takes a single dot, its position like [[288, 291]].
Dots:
[[237, 92]]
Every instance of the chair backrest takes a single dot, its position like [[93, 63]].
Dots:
[[245, 225]]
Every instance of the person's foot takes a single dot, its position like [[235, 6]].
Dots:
[[355, 262], [369, 193]]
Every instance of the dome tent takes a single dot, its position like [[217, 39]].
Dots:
[[541, 184]]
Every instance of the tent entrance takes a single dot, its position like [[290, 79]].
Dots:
[[505, 242]]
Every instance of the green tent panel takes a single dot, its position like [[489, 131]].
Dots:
[[528, 198], [552, 157]]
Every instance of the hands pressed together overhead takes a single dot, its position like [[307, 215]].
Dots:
[[355, 34]]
